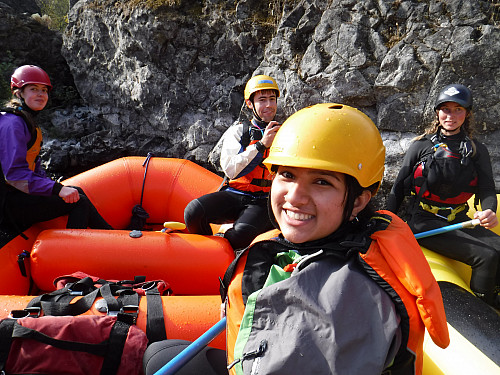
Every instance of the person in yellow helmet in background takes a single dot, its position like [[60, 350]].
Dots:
[[326, 293], [242, 199]]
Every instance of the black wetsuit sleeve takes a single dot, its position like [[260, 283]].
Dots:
[[485, 184], [402, 183]]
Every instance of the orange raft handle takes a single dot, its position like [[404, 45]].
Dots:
[[173, 225]]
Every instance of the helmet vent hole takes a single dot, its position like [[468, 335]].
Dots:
[[336, 106]]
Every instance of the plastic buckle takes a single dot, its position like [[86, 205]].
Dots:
[[31, 312], [127, 318], [129, 309], [112, 312]]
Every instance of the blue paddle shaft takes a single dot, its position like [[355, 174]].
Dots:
[[194, 348], [449, 228]]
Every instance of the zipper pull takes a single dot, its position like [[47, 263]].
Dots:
[[256, 353]]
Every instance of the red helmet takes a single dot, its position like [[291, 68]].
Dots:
[[29, 74]]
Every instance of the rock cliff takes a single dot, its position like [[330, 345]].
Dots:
[[167, 76]]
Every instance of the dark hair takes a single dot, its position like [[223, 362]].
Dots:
[[28, 114], [253, 93], [354, 190]]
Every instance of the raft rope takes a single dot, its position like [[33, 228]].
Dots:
[[146, 163]]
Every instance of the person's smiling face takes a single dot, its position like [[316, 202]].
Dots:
[[265, 104], [451, 117], [35, 96], [308, 204]]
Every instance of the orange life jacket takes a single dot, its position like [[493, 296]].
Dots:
[[258, 180], [34, 150], [399, 267]]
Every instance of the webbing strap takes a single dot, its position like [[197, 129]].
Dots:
[[117, 339], [66, 294], [20, 331], [155, 326], [261, 182], [58, 303], [436, 209], [228, 275]]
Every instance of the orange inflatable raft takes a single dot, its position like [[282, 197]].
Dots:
[[191, 264]]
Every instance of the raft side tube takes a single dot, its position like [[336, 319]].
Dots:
[[446, 269], [460, 358], [115, 188], [11, 279], [474, 328], [191, 264]]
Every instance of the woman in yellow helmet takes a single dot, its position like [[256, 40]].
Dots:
[[327, 295], [340, 288]]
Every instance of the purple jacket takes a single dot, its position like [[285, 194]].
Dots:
[[14, 138]]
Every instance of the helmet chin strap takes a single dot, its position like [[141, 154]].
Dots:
[[258, 120], [26, 107]]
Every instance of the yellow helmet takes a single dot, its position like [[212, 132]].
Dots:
[[331, 137], [260, 82]]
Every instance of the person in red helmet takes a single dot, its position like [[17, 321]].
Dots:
[[27, 195], [441, 171]]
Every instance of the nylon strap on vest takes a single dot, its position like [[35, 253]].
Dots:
[[436, 210], [261, 182], [228, 275], [244, 142]]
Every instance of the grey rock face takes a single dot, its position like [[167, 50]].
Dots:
[[170, 79], [25, 6]]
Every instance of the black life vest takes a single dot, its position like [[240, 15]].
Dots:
[[445, 176]]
